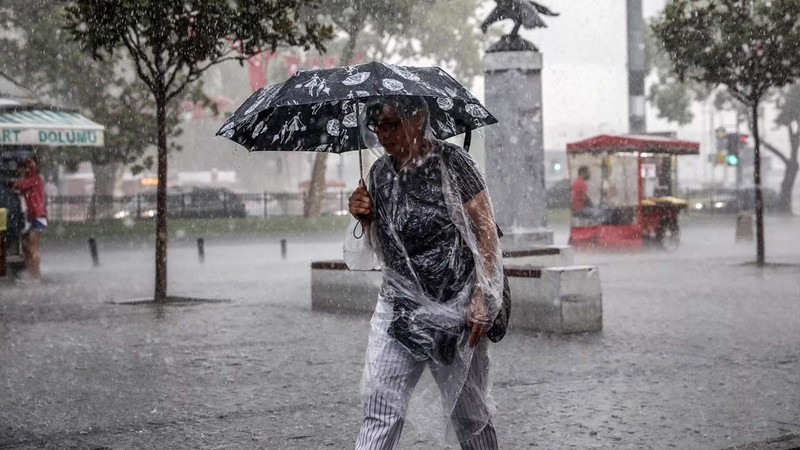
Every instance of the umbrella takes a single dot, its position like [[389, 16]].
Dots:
[[317, 110]]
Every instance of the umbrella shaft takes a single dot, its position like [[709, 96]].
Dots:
[[360, 160]]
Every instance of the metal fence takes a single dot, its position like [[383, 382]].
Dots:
[[80, 208]]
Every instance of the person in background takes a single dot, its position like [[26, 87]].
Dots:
[[31, 186], [581, 202]]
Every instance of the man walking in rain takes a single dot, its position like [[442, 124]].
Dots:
[[428, 221]]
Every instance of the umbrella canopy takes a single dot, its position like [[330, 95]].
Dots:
[[316, 110]]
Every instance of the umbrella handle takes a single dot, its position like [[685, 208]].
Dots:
[[361, 217], [360, 168], [467, 140], [359, 224]]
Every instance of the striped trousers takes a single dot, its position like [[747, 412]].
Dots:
[[390, 375]]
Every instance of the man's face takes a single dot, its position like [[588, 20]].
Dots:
[[395, 133]]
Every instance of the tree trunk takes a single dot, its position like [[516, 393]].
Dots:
[[790, 175], [105, 181], [787, 187], [350, 48], [784, 205], [317, 186], [160, 295], [757, 182]]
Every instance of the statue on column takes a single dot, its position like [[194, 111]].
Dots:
[[524, 13]]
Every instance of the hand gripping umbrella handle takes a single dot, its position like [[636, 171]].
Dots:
[[361, 217]]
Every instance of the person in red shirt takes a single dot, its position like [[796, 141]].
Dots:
[[581, 203], [31, 186]]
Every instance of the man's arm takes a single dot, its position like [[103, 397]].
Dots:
[[479, 211]]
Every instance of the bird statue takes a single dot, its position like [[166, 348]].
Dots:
[[523, 12]]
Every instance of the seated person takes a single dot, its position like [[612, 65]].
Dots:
[[581, 202]]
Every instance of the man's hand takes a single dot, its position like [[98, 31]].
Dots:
[[476, 317], [360, 204]]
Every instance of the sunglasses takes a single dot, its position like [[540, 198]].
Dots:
[[385, 126]]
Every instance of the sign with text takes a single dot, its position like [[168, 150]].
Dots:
[[53, 137]]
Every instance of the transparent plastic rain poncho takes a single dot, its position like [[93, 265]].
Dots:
[[433, 234]]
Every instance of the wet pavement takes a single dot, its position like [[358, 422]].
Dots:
[[699, 351]]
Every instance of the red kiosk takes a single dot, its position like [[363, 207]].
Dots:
[[631, 185]]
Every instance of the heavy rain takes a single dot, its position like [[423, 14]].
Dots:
[[417, 224]]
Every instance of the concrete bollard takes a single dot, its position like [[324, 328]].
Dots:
[[93, 251], [744, 227], [283, 248], [201, 251]]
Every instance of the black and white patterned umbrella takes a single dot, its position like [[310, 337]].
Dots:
[[316, 110]]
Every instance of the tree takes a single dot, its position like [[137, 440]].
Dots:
[[750, 46], [173, 42], [672, 99], [445, 32], [34, 51]]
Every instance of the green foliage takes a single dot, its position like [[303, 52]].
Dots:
[[749, 46], [172, 42], [444, 31], [38, 53], [671, 97], [366, 22], [448, 33]]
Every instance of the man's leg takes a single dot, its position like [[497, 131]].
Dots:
[[471, 416], [32, 255], [390, 374], [485, 440]]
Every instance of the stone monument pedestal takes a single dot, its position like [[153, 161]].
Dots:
[[515, 147], [550, 294]]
